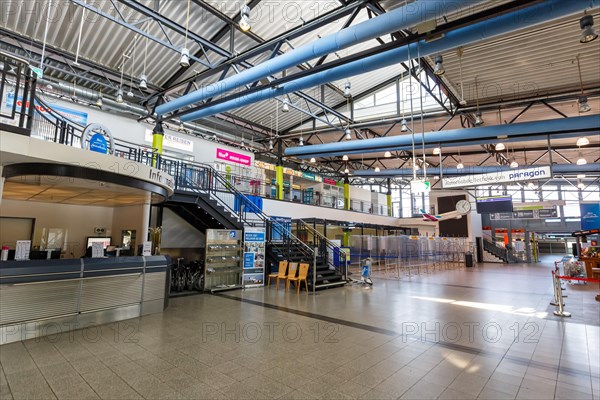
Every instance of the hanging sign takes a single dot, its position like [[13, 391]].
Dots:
[[513, 175], [172, 141], [417, 187], [233, 157]]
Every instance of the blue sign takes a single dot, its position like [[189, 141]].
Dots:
[[249, 260], [590, 216], [99, 144], [254, 237], [78, 117], [232, 234], [280, 228]]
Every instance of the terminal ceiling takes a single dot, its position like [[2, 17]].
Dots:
[[526, 75]]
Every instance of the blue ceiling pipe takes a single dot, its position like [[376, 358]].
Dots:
[[395, 20], [472, 142], [561, 126], [593, 168], [536, 14]]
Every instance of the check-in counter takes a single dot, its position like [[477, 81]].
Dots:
[[41, 297]]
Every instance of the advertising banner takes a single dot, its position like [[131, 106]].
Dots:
[[254, 257], [513, 175], [78, 117], [233, 157], [172, 141], [590, 216]]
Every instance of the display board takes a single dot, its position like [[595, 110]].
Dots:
[[254, 257], [223, 259], [590, 216], [494, 204]]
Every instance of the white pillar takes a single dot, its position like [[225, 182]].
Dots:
[[1, 184], [145, 219]]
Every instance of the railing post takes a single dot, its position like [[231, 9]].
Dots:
[[314, 277]]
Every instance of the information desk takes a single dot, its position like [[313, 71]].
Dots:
[[46, 297], [589, 264]]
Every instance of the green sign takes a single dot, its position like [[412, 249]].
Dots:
[[37, 71]]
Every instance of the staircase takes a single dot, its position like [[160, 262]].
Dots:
[[490, 258], [330, 262], [202, 212], [500, 253]]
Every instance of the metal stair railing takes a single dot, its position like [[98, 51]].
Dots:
[[504, 254], [18, 80], [326, 247], [201, 178]]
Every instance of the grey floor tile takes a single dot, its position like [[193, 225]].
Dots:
[[453, 394]]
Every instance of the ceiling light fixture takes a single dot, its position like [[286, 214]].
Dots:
[[587, 29], [531, 186], [583, 141], [581, 176], [313, 160], [581, 160], [344, 158], [99, 102], [143, 78], [439, 66], [514, 163], [143, 82], [348, 134], [500, 146], [301, 141], [119, 96], [184, 61], [387, 154], [245, 24], [348, 89], [462, 100], [346, 171], [460, 164], [377, 169], [437, 151], [580, 185], [478, 118], [270, 144], [582, 101], [583, 104], [404, 127], [286, 106]]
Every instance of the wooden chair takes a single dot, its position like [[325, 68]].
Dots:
[[293, 268], [281, 274], [302, 277]]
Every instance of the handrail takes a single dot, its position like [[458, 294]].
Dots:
[[324, 247], [505, 254], [328, 246], [203, 178]]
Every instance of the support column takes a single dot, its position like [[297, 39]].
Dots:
[[146, 210], [158, 134], [1, 184], [389, 198], [279, 171], [346, 239], [528, 246], [346, 193]]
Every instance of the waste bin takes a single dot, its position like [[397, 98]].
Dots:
[[469, 260]]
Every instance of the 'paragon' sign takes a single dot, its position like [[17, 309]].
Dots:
[[513, 175]]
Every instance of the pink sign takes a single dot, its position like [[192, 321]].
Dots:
[[233, 157]]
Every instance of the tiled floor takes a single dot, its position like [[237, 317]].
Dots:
[[484, 333]]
